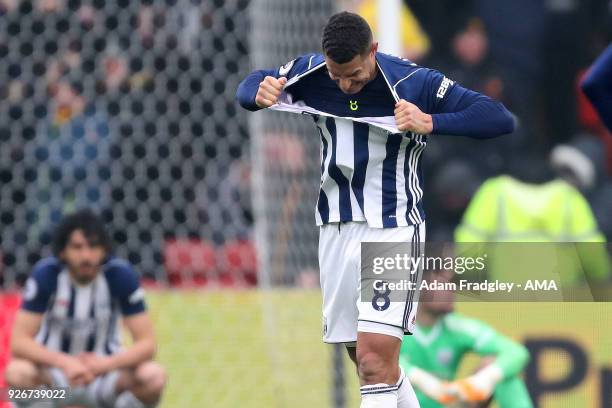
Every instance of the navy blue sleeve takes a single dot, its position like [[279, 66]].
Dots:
[[124, 285], [40, 286], [459, 111], [247, 90], [597, 86]]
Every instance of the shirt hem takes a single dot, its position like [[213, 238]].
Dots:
[[379, 224]]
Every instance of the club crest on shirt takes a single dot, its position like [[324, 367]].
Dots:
[[136, 296], [284, 69], [353, 105], [30, 290]]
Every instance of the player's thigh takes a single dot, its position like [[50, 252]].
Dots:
[[338, 264], [22, 373]]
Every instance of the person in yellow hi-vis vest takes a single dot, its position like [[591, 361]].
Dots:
[[551, 224]]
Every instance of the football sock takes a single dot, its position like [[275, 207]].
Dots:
[[379, 396], [406, 398]]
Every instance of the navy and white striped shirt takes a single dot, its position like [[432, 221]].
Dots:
[[370, 171], [82, 318], [367, 173]]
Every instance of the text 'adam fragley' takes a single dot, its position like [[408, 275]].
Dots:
[[485, 286]]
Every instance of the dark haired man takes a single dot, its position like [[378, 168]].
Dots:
[[67, 332], [373, 113]]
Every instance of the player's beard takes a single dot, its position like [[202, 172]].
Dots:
[[84, 272]]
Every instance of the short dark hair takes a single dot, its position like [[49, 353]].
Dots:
[[345, 36], [86, 221]]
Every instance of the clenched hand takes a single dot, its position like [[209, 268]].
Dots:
[[269, 91], [409, 118]]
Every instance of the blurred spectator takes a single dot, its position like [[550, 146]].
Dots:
[[473, 69], [6, 6], [453, 186], [225, 208], [583, 164], [49, 6], [530, 207], [72, 148], [440, 21], [115, 71], [515, 51]]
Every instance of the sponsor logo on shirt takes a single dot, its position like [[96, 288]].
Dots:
[[443, 87], [445, 356]]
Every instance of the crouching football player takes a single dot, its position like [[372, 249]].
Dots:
[[67, 331]]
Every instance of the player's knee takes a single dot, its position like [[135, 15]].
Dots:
[[372, 368], [151, 376], [21, 374]]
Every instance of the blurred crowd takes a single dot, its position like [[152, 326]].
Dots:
[[127, 107], [531, 55]]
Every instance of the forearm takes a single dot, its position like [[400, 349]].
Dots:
[[511, 357], [139, 352], [247, 90], [482, 119], [27, 348]]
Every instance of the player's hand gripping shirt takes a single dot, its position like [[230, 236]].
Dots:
[[370, 171], [82, 318]]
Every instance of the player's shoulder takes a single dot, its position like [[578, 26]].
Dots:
[[117, 268], [47, 269], [121, 276], [301, 64], [124, 282], [458, 323], [408, 79], [43, 277], [397, 68], [496, 184]]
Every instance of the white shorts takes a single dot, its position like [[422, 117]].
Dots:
[[340, 266], [99, 393]]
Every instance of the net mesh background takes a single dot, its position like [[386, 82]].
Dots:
[[127, 107], [285, 148]]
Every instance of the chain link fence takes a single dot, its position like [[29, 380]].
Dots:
[[127, 107]]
